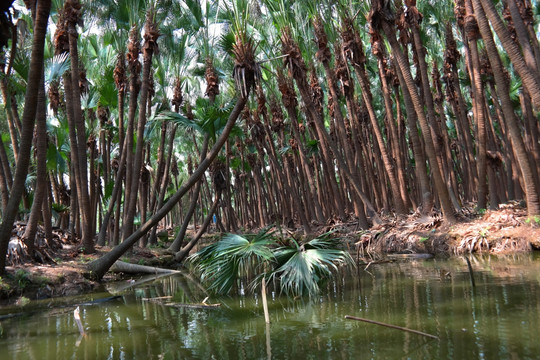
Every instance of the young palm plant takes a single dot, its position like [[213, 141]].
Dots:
[[300, 268]]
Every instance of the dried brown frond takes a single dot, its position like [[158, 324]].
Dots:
[[294, 61], [246, 71], [412, 15], [342, 70], [471, 27], [120, 72], [323, 54], [174, 168], [459, 12], [277, 115], [212, 79], [509, 21], [83, 81], [377, 47], [189, 165], [436, 76], [103, 114], [61, 39], [286, 87], [293, 143], [134, 49], [485, 66], [72, 12], [352, 47], [316, 90], [151, 34], [178, 98], [217, 170], [380, 12], [451, 54], [189, 111], [54, 96]]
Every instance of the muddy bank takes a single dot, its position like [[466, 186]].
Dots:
[[506, 230]]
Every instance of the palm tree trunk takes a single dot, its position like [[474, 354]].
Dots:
[[530, 78], [41, 172], [442, 190], [149, 48], [28, 119], [99, 267], [503, 91], [478, 106]]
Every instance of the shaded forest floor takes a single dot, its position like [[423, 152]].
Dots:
[[506, 230]]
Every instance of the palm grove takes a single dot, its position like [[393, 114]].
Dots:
[[148, 115]]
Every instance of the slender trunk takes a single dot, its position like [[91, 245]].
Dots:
[[78, 120], [442, 190], [29, 115], [503, 91], [181, 255], [41, 172], [478, 105], [148, 50], [99, 267], [530, 78]]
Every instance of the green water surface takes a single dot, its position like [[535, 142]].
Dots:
[[497, 319]]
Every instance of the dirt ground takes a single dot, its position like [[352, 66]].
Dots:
[[507, 230]]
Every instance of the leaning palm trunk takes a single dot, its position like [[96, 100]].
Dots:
[[245, 69], [177, 243], [28, 119], [503, 91], [99, 267], [530, 78], [355, 53], [380, 17], [181, 255], [298, 70]]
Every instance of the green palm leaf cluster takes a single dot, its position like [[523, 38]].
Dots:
[[298, 268]]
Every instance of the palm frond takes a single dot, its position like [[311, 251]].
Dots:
[[58, 66]]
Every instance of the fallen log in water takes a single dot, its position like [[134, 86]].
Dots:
[[392, 326], [121, 266], [193, 306]]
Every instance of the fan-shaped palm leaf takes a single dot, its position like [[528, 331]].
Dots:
[[302, 268], [224, 262]]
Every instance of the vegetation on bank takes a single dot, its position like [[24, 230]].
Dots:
[[152, 116]]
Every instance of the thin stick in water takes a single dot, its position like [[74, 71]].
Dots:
[[392, 326], [265, 304], [78, 321]]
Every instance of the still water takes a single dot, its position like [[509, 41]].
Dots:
[[497, 319]]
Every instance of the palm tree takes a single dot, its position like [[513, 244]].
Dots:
[[383, 19], [531, 191], [35, 76], [530, 77], [245, 73]]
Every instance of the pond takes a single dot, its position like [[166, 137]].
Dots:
[[499, 318]]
